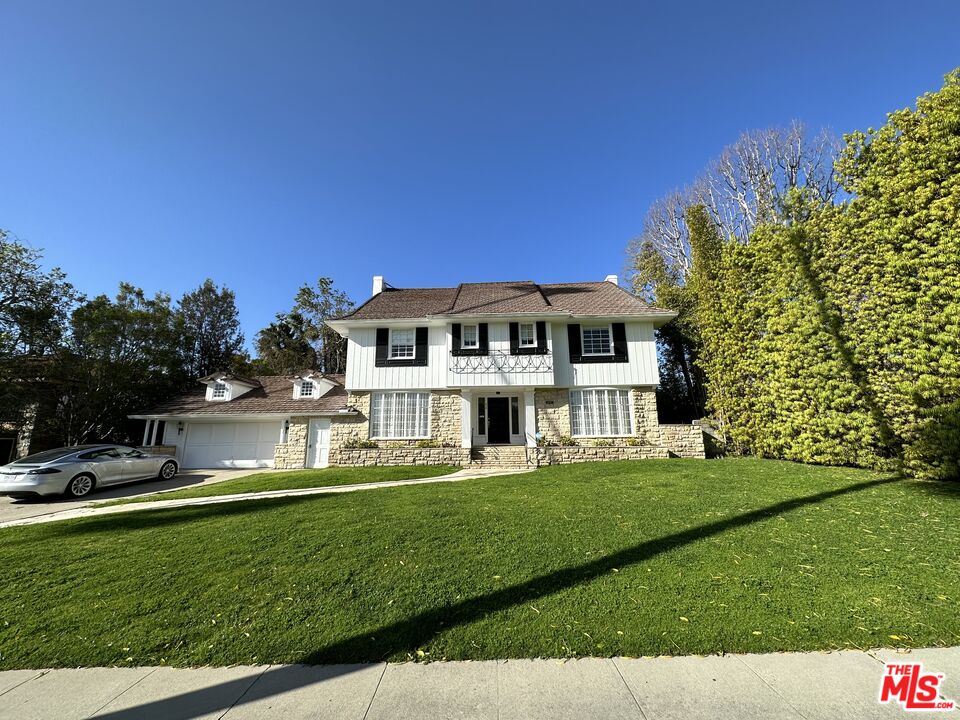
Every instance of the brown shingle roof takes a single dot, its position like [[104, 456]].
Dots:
[[505, 298], [273, 395]]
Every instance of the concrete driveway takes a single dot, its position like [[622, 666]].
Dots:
[[15, 509]]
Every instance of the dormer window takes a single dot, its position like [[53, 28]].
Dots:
[[402, 343], [218, 391], [306, 389], [470, 337]]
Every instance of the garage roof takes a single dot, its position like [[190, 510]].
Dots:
[[273, 395]]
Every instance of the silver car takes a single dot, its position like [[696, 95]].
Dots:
[[76, 471]]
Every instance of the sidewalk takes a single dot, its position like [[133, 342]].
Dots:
[[788, 685], [92, 509]]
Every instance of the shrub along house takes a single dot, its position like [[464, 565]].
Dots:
[[505, 373]]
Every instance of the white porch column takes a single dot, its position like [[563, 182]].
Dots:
[[153, 432], [466, 420], [148, 426], [529, 418]]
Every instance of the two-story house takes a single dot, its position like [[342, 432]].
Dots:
[[514, 373]]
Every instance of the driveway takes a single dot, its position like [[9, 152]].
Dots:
[[16, 509]]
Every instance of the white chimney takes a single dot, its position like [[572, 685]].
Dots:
[[612, 279], [377, 284]]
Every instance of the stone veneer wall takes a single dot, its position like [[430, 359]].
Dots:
[[292, 455], [586, 453], [553, 422], [684, 441], [365, 457]]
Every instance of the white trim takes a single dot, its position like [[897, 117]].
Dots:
[[598, 326]]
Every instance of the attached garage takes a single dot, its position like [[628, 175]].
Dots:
[[230, 444]]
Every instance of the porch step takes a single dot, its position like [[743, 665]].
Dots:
[[500, 456]]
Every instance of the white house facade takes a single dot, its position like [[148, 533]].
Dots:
[[505, 373]]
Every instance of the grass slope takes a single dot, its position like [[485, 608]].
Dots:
[[297, 479], [632, 558]]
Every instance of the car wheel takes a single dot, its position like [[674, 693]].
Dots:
[[168, 470], [80, 486]]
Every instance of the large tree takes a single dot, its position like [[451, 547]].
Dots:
[[123, 355], [212, 339], [284, 346], [34, 305], [317, 304]]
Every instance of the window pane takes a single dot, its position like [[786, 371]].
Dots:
[[515, 415], [400, 415], [596, 341], [469, 336], [402, 343], [528, 335], [306, 389], [600, 412]]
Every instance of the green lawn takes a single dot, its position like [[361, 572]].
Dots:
[[297, 479], [631, 558]]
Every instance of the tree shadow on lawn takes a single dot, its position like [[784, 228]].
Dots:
[[406, 636]]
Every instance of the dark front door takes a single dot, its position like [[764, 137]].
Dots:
[[498, 420]]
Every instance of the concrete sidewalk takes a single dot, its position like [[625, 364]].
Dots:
[[788, 685], [92, 509]]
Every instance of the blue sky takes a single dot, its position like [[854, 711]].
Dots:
[[267, 144]]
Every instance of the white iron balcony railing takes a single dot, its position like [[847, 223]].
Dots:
[[501, 361]]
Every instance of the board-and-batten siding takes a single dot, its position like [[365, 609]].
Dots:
[[363, 374], [641, 368], [498, 335]]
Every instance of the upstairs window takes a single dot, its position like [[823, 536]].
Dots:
[[402, 343], [219, 391], [469, 337], [306, 389], [528, 335], [596, 341]]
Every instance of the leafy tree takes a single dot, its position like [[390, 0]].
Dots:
[[33, 308], [212, 339], [284, 346], [123, 355], [317, 304]]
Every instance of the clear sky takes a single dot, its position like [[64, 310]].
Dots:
[[267, 144]]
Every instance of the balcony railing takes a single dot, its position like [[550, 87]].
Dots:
[[501, 361]]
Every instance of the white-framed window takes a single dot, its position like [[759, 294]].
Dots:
[[400, 415], [307, 389], [600, 412], [528, 335], [596, 340], [402, 343], [219, 391], [470, 337]]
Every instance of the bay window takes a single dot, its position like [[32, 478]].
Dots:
[[600, 412], [399, 415]]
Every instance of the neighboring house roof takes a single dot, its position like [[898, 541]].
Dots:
[[503, 298], [273, 394], [230, 377]]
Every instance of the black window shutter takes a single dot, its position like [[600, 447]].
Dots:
[[573, 340], [456, 331], [619, 342], [420, 359], [514, 338], [383, 340], [541, 337], [483, 339]]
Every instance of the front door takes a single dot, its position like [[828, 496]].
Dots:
[[318, 443], [498, 420]]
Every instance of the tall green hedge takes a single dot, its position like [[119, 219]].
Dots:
[[836, 338]]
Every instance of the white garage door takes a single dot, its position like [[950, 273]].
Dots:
[[230, 445]]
